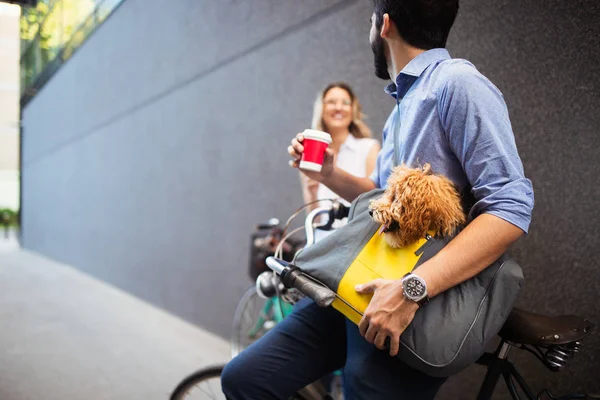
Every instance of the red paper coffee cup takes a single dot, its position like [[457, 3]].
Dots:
[[315, 143]]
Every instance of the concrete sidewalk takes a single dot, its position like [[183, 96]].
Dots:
[[67, 336]]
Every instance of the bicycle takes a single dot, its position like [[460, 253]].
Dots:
[[268, 302], [553, 340], [259, 309]]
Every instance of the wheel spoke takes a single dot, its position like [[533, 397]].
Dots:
[[255, 316], [253, 313], [211, 392]]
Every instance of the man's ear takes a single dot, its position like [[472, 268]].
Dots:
[[386, 26]]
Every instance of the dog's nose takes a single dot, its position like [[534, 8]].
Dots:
[[371, 213]]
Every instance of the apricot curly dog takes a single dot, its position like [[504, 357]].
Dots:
[[417, 201]]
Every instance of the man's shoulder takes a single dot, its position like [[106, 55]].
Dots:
[[456, 70], [457, 75]]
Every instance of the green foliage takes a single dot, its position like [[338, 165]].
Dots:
[[8, 217], [56, 27]]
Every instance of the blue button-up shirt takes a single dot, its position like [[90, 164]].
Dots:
[[450, 116]]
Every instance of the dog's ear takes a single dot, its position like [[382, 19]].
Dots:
[[409, 208], [447, 214]]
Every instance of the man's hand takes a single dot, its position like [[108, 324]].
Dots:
[[388, 313], [296, 149], [346, 185]]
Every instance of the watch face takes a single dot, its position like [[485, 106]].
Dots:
[[414, 288]]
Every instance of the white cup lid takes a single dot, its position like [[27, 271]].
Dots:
[[317, 135]]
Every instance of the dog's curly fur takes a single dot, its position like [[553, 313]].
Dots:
[[416, 201]]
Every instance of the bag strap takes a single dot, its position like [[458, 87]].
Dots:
[[396, 133]]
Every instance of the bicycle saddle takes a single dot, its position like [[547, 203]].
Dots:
[[528, 328]]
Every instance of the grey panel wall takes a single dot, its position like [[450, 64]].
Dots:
[[151, 154]]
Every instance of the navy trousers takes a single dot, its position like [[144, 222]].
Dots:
[[309, 344]]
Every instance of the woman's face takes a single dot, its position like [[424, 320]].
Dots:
[[337, 109]]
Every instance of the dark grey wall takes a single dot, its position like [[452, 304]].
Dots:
[[151, 154]]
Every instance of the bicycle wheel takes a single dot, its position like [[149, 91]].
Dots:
[[253, 318], [204, 384]]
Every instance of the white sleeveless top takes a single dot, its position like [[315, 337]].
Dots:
[[352, 158]]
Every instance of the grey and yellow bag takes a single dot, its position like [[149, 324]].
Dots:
[[453, 329]]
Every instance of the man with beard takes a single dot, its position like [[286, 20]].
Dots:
[[452, 117]]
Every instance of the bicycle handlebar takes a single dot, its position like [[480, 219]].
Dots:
[[322, 295], [292, 277], [309, 223], [336, 211]]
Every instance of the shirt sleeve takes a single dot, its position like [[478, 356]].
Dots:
[[375, 174], [475, 119]]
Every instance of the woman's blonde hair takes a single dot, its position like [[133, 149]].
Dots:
[[357, 127]]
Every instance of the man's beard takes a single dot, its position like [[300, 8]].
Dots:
[[381, 66]]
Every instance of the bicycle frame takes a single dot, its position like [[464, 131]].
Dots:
[[281, 309], [498, 365]]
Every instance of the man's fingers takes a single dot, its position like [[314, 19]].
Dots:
[[368, 287], [363, 325], [380, 340], [394, 345], [292, 152], [371, 333], [294, 163], [297, 146]]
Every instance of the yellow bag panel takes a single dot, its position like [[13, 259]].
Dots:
[[376, 260]]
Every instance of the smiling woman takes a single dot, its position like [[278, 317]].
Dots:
[[338, 112]]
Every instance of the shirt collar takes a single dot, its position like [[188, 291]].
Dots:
[[413, 70]]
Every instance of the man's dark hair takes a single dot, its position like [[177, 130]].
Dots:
[[424, 24]]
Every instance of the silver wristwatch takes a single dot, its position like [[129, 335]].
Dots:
[[415, 289]]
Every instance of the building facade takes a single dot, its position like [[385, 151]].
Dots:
[[149, 155]]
